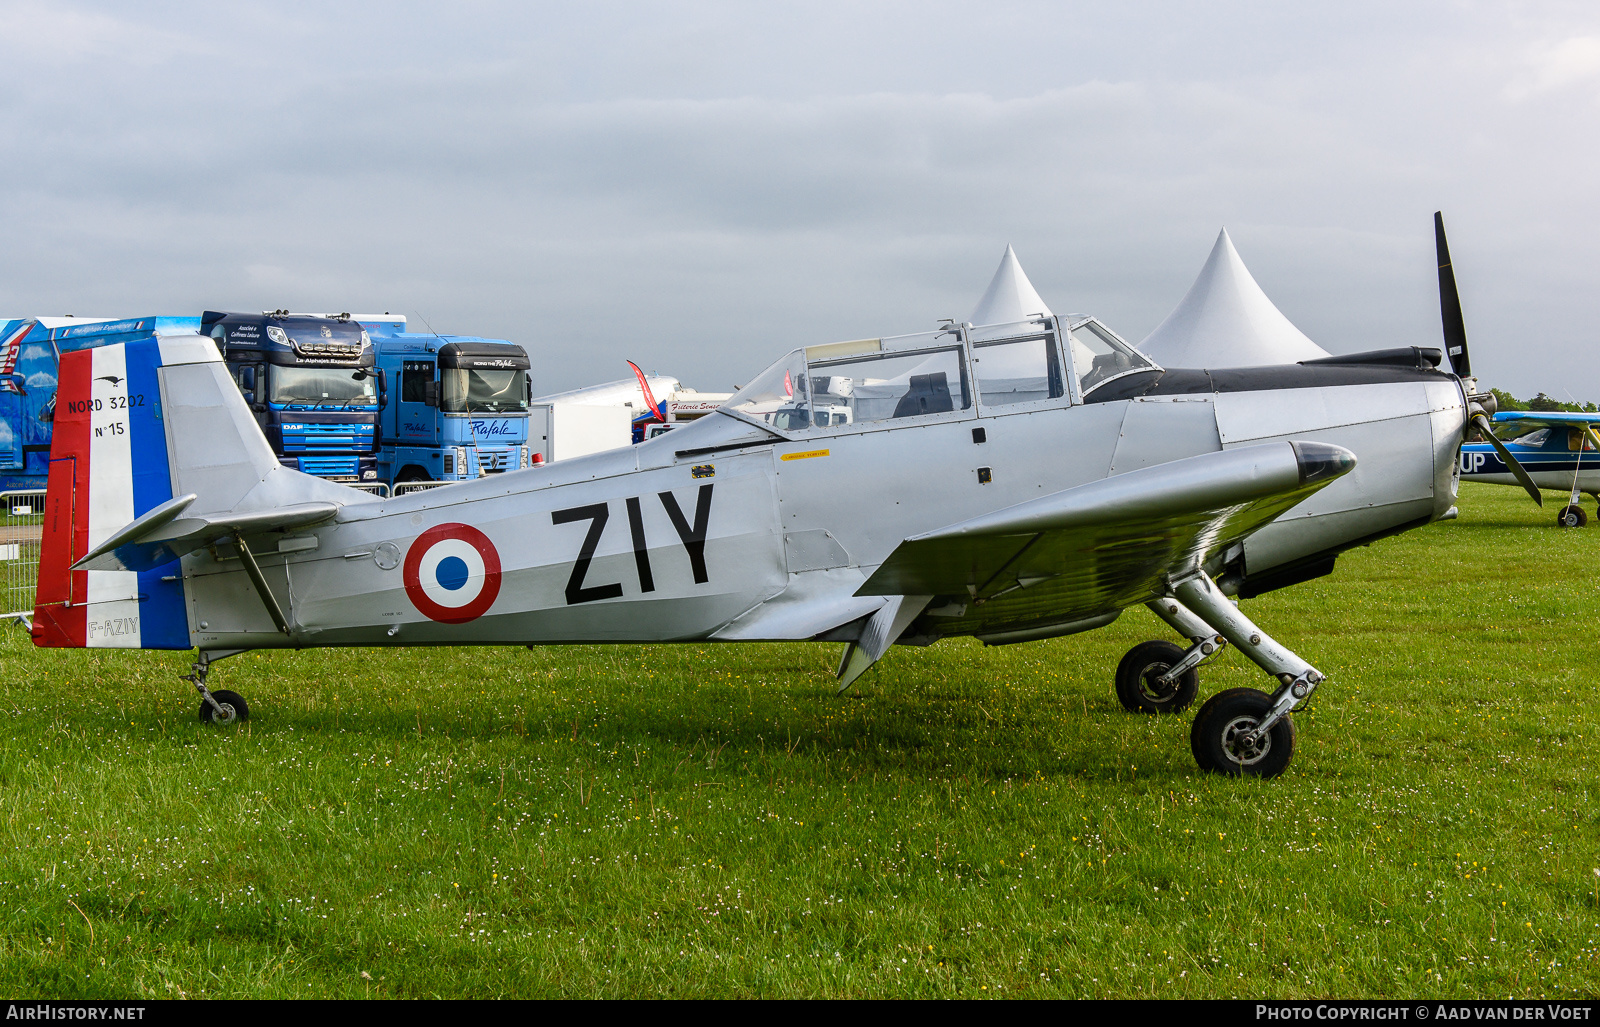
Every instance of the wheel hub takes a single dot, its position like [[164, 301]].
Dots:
[[1151, 685], [225, 713], [1243, 744]]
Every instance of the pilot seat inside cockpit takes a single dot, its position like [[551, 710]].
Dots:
[[928, 394]]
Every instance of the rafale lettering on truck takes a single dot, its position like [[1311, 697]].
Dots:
[[693, 539], [492, 428]]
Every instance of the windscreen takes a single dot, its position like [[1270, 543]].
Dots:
[[1098, 355], [322, 386], [483, 391], [779, 396]]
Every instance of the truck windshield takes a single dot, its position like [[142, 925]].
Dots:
[[322, 386], [483, 391]]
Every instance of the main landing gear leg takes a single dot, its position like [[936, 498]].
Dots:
[[1160, 677], [221, 706], [1242, 730]]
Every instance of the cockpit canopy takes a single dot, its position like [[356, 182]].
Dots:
[[936, 372]]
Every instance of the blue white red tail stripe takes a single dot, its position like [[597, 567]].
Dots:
[[108, 465]]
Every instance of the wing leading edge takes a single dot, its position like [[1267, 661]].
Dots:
[[1095, 549]]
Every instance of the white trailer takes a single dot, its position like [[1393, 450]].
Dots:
[[559, 431]]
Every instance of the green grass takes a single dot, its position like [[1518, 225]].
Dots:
[[710, 821]]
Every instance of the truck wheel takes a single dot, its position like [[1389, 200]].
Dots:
[[411, 474]]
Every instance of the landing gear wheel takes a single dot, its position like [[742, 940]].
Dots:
[[234, 708], [1217, 735], [1137, 687], [1572, 517]]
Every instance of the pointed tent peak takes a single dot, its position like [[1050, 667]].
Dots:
[[1226, 320], [1010, 297]]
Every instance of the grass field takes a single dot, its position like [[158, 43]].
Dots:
[[712, 821]]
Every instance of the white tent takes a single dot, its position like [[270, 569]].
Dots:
[[1010, 297], [1227, 321]]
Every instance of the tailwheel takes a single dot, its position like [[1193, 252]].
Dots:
[[1223, 735], [1138, 687], [230, 708], [1572, 517]]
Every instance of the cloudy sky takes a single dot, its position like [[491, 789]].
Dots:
[[702, 186]]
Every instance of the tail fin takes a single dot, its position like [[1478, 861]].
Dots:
[[108, 464], [137, 424]]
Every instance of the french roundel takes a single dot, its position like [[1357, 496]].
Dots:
[[452, 573]]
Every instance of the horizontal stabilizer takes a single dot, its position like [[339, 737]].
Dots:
[[162, 535]]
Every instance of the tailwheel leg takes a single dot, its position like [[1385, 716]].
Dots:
[[221, 706], [1242, 730]]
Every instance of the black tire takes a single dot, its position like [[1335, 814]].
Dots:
[[1137, 688], [411, 474], [228, 701], [1226, 715], [1572, 517]]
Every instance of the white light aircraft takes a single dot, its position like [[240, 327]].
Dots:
[[1011, 482]]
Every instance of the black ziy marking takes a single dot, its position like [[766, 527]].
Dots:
[[596, 515], [641, 553], [636, 525], [694, 539]]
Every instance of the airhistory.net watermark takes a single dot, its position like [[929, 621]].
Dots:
[[53, 1011]]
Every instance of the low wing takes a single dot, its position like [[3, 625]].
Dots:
[[1100, 547]]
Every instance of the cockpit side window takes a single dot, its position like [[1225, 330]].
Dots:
[[1017, 371], [793, 395], [891, 385]]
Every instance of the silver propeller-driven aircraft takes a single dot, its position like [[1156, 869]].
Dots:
[[1005, 481]]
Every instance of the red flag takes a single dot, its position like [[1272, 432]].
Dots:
[[649, 399]]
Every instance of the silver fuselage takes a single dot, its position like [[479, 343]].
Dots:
[[793, 526]]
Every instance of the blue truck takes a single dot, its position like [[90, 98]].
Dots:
[[30, 358], [311, 383], [456, 406]]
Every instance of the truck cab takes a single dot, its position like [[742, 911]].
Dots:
[[310, 381], [457, 409]]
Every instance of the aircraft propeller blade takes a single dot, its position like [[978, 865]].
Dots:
[[1455, 327], [1482, 424]]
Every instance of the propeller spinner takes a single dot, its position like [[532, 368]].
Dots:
[[1455, 346]]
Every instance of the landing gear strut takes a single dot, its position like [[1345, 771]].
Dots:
[[1244, 731], [221, 706]]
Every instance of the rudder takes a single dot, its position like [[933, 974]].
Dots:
[[108, 465]]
